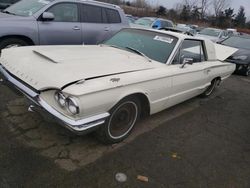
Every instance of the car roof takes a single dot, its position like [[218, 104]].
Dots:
[[162, 19], [98, 3], [213, 50], [175, 34]]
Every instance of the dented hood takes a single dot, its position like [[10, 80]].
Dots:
[[56, 66]]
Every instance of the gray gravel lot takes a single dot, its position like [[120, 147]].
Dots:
[[199, 143]]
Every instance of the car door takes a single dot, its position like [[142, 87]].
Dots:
[[190, 79], [95, 27], [65, 29], [114, 21]]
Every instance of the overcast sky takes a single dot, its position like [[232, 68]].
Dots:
[[234, 3]]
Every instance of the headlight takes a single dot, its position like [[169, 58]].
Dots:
[[72, 105], [61, 99], [241, 57]]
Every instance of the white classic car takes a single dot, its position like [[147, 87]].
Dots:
[[108, 87]]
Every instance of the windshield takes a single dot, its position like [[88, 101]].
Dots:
[[144, 21], [210, 32], [27, 7], [155, 46], [238, 42]]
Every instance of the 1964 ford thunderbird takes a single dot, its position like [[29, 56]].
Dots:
[[108, 87]]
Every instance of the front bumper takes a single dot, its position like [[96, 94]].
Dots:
[[242, 68], [80, 126]]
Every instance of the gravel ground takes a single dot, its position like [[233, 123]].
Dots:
[[199, 143]]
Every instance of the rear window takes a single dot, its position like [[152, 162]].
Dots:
[[113, 16], [96, 14], [92, 14], [166, 24]]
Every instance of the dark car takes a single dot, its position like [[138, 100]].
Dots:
[[6, 3], [242, 57]]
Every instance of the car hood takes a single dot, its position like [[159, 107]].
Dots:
[[57, 66], [9, 17], [242, 56], [138, 26]]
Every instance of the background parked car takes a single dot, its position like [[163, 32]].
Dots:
[[152, 22], [131, 19], [213, 34], [242, 57], [6, 3], [57, 22], [186, 29]]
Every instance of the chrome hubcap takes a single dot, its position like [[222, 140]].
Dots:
[[122, 120]]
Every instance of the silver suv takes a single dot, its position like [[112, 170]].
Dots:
[[59, 22]]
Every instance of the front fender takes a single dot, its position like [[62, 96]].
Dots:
[[28, 29]]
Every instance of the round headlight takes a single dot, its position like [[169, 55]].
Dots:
[[72, 106], [61, 99]]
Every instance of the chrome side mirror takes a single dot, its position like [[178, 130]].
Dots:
[[186, 61]]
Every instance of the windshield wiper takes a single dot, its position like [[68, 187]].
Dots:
[[7, 12], [131, 49], [138, 52]]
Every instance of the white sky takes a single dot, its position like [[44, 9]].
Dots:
[[234, 3]]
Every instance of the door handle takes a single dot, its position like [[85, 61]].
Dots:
[[106, 29], [76, 28]]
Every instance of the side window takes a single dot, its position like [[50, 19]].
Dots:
[[192, 49], [113, 16], [226, 33], [92, 14], [166, 24], [65, 12]]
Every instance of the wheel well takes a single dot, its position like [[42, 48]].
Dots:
[[217, 78], [145, 106], [26, 39]]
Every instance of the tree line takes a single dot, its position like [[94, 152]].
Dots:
[[213, 12]]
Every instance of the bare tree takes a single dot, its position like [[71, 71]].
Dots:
[[220, 5], [204, 6], [190, 3], [141, 3]]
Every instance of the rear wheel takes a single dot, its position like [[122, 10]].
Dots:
[[210, 88], [122, 119], [12, 42], [247, 73]]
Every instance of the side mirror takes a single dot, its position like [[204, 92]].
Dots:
[[155, 26], [186, 61], [48, 16]]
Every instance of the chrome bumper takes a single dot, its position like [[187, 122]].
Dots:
[[80, 126]]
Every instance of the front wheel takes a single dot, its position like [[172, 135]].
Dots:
[[12, 42], [122, 119]]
